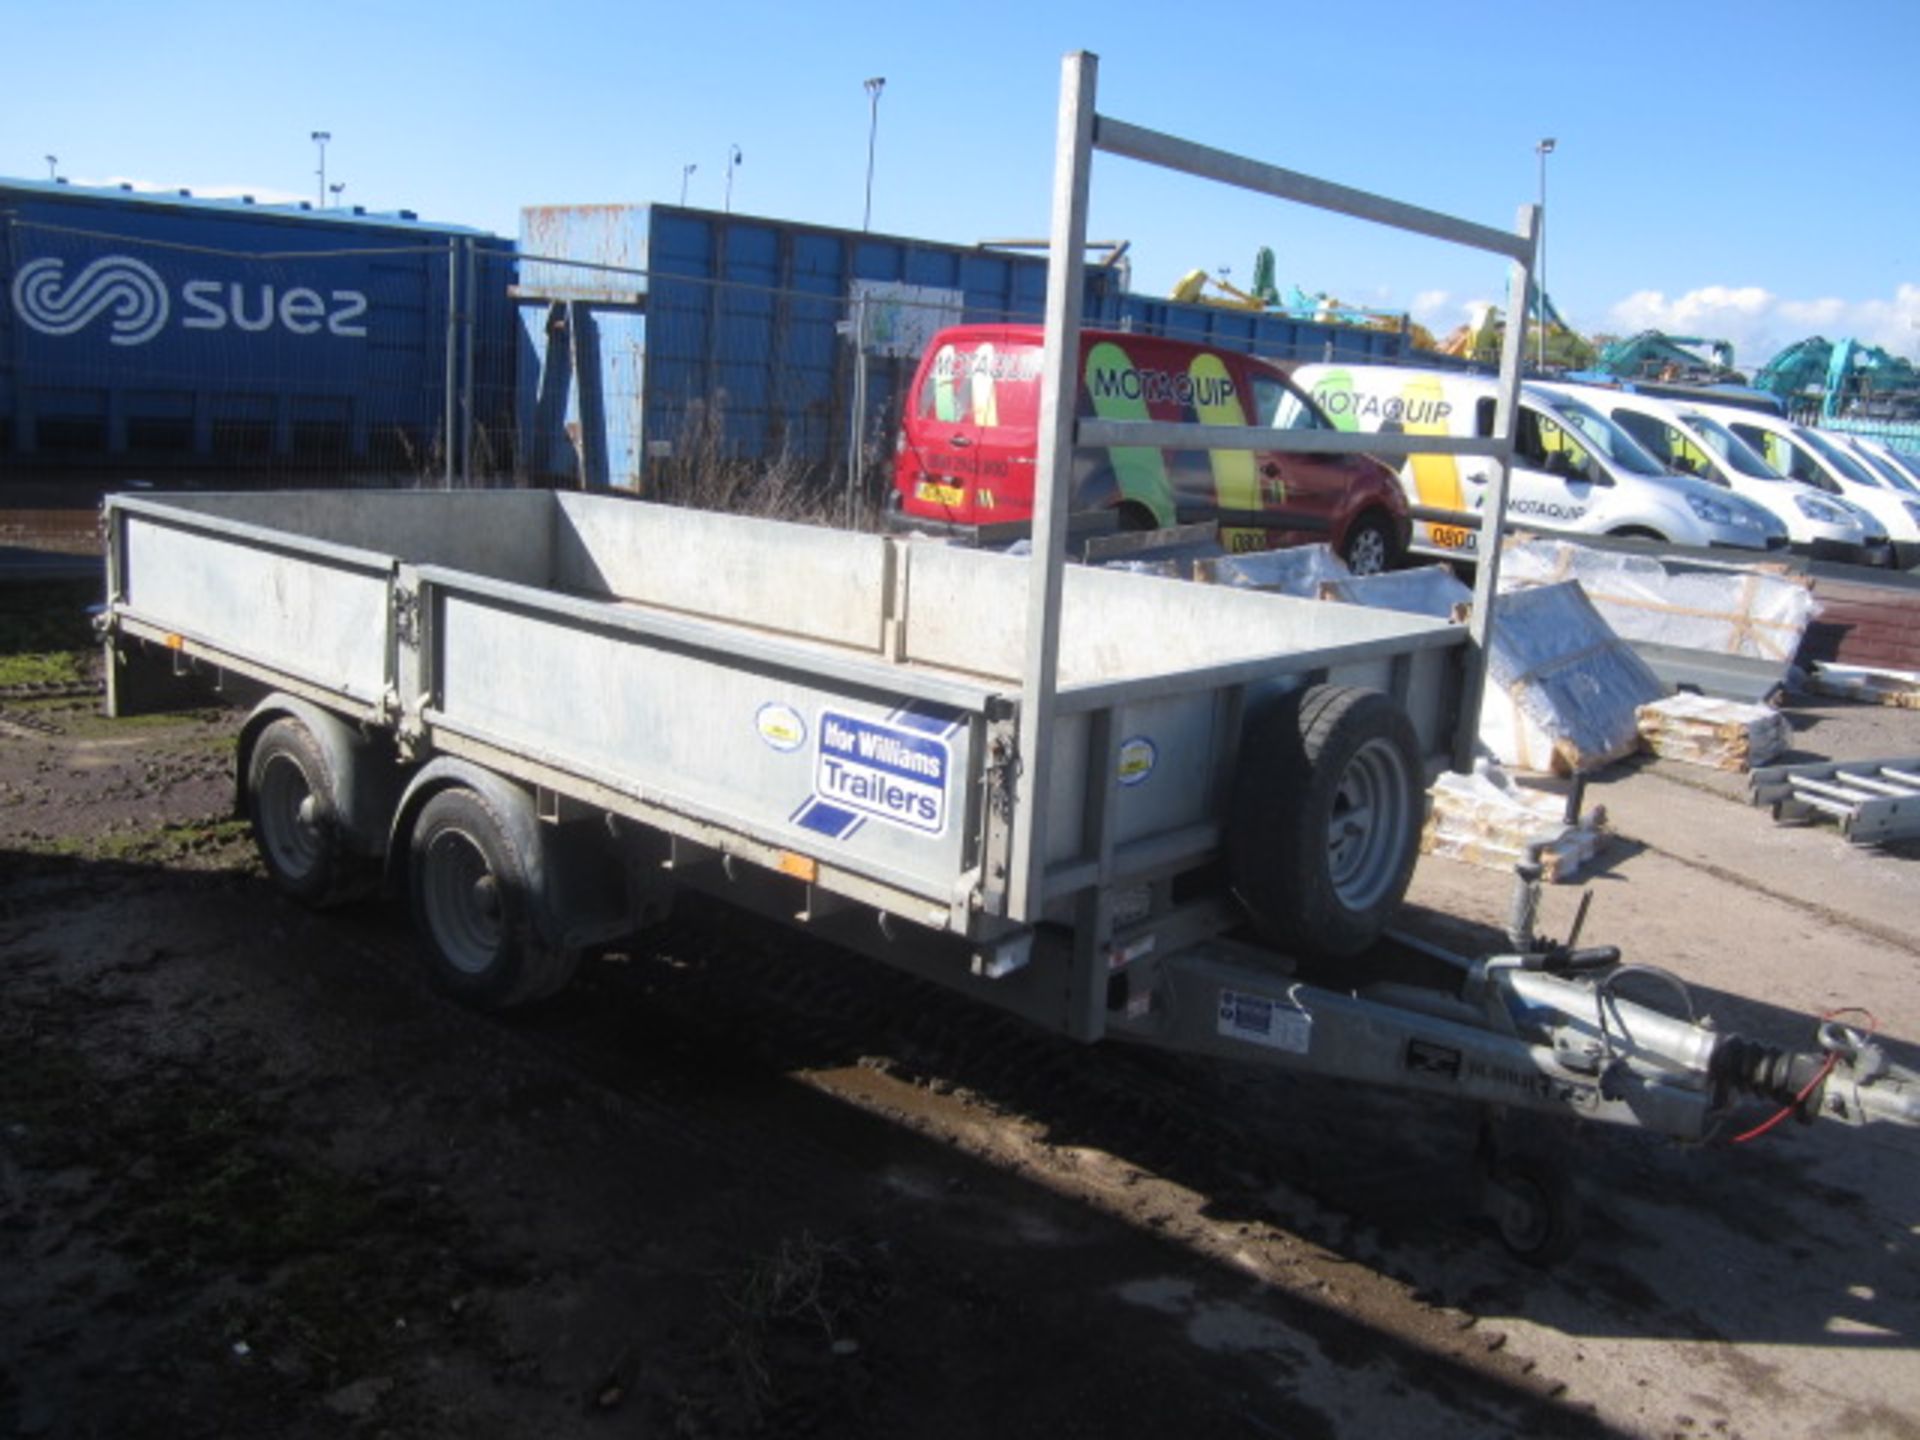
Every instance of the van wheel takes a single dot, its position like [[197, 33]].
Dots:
[[1638, 532], [1136, 517], [295, 818], [1370, 547], [467, 882], [1325, 825]]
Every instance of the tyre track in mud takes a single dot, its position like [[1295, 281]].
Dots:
[[719, 1035], [717, 1027], [1212, 1161]]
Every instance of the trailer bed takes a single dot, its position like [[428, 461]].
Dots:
[[836, 697]]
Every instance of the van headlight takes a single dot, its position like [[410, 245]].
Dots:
[[1824, 511], [1711, 511]]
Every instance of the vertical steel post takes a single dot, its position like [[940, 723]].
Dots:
[[1506, 415], [466, 369], [447, 419], [874, 87], [856, 468], [1543, 149], [1059, 389]]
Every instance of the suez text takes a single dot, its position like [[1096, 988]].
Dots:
[[217, 304]]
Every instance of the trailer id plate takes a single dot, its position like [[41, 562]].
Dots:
[[892, 773], [1261, 1020]]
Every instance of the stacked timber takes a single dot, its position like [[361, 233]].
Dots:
[[1719, 734]]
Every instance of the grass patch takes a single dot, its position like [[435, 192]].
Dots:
[[46, 634], [169, 842]]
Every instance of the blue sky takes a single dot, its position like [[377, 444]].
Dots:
[[1736, 170]]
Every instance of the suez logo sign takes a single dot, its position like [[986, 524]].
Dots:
[[137, 303]]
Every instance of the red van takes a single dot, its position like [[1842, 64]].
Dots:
[[967, 447]]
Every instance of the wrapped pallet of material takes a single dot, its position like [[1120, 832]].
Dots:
[[1300, 570], [1756, 611], [1485, 819], [1168, 568], [1720, 734], [1425, 590], [1899, 688], [1562, 689]]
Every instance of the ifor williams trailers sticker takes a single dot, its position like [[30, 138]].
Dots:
[[896, 771]]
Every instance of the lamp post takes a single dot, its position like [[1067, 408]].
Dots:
[[320, 138], [874, 87], [686, 174], [334, 190], [1543, 149], [734, 157], [53, 167]]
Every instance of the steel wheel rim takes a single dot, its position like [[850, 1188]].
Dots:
[[1523, 1213], [1367, 555], [461, 895], [1368, 822], [287, 805]]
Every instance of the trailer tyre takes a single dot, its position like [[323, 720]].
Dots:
[[1325, 822], [472, 906], [1535, 1207], [295, 816]]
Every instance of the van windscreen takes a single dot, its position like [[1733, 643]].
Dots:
[[1741, 456], [1606, 437]]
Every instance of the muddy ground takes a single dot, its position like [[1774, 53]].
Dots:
[[256, 1178]]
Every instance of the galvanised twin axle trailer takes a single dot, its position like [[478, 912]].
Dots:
[[1120, 806]]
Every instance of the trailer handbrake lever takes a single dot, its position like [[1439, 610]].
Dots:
[[1567, 960]]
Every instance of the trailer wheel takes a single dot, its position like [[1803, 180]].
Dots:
[[295, 817], [1325, 822], [1535, 1207], [467, 881]]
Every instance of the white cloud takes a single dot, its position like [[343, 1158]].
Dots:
[[1442, 312], [1761, 324]]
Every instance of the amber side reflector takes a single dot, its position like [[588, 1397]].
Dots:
[[800, 867], [175, 642]]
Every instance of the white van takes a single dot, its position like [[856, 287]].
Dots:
[[1899, 471], [1820, 460], [1689, 443], [1574, 469], [1892, 460]]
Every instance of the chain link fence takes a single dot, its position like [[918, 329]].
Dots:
[[453, 360], [724, 394]]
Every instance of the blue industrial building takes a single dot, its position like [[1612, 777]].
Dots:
[[647, 329], [168, 334], [185, 339]]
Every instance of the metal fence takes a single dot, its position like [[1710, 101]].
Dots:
[[719, 392], [772, 386]]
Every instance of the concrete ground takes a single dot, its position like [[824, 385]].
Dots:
[[1769, 1288]]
